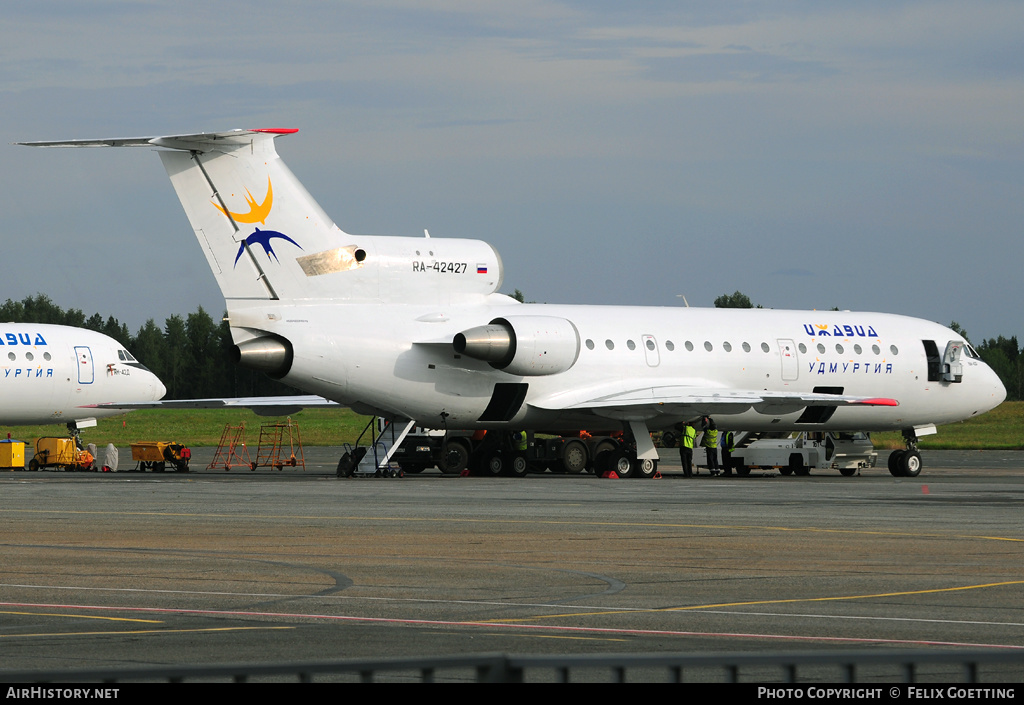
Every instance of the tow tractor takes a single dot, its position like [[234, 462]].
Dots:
[[799, 453]]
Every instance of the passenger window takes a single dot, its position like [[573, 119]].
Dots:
[[29, 356], [590, 344], [876, 350], [689, 346], [727, 346], [894, 350], [857, 349], [631, 345], [609, 344], [746, 347], [669, 345], [839, 348], [821, 349], [708, 346], [802, 347], [650, 344], [764, 347], [10, 356]]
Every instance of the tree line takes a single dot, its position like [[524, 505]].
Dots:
[[191, 355], [1003, 355]]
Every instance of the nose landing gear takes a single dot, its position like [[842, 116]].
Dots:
[[906, 463]]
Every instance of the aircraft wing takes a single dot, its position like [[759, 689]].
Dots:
[[263, 406], [639, 401]]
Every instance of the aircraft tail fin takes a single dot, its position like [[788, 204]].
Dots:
[[267, 239], [254, 220], [252, 217]]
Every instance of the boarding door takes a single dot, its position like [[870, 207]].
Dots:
[[790, 365], [86, 373]]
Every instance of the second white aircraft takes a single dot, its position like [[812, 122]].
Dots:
[[59, 374]]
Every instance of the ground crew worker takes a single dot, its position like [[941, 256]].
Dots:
[[710, 443], [519, 441], [728, 445], [686, 448]]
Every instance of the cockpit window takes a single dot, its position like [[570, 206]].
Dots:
[[120, 354], [971, 352]]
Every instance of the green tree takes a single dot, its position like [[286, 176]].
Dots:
[[178, 372], [148, 348], [734, 300]]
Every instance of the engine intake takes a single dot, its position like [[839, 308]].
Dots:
[[269, 354], [523, 345]]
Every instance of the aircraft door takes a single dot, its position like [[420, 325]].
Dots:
[[650, 350], [86, 371], [790, 364], [952, 366]]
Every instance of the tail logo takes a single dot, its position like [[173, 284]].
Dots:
[[263, 238], [258, 212]]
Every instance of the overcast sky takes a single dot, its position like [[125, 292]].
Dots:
[[810, 154]]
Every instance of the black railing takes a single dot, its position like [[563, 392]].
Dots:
[[876, 666]]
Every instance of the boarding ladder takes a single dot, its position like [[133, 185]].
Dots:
[[228, 455], [386, 436], [271, 451]]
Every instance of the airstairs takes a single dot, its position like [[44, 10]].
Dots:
[[374, 458]]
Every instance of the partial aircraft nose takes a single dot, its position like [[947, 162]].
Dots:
[[990, 390], [157, 388]]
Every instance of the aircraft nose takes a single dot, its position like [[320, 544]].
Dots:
[[999, 387], [158, 388], [992, 389]]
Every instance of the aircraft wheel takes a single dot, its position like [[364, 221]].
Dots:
[[646, 467], [910, 464], [519, 467], [621, 463], [495, 466], [895, 461], [848, 472], [456, 457], [574, 457]]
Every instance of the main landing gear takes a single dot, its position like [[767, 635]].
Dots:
[[906, 463]]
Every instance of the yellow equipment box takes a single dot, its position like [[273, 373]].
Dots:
[[12, 455]]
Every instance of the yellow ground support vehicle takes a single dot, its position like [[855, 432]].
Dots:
[[60, 453], [157, 455]]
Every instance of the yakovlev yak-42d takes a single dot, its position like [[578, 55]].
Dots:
[[414, 329]]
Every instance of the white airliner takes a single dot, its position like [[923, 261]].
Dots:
[[415, 329], [59, 374]]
